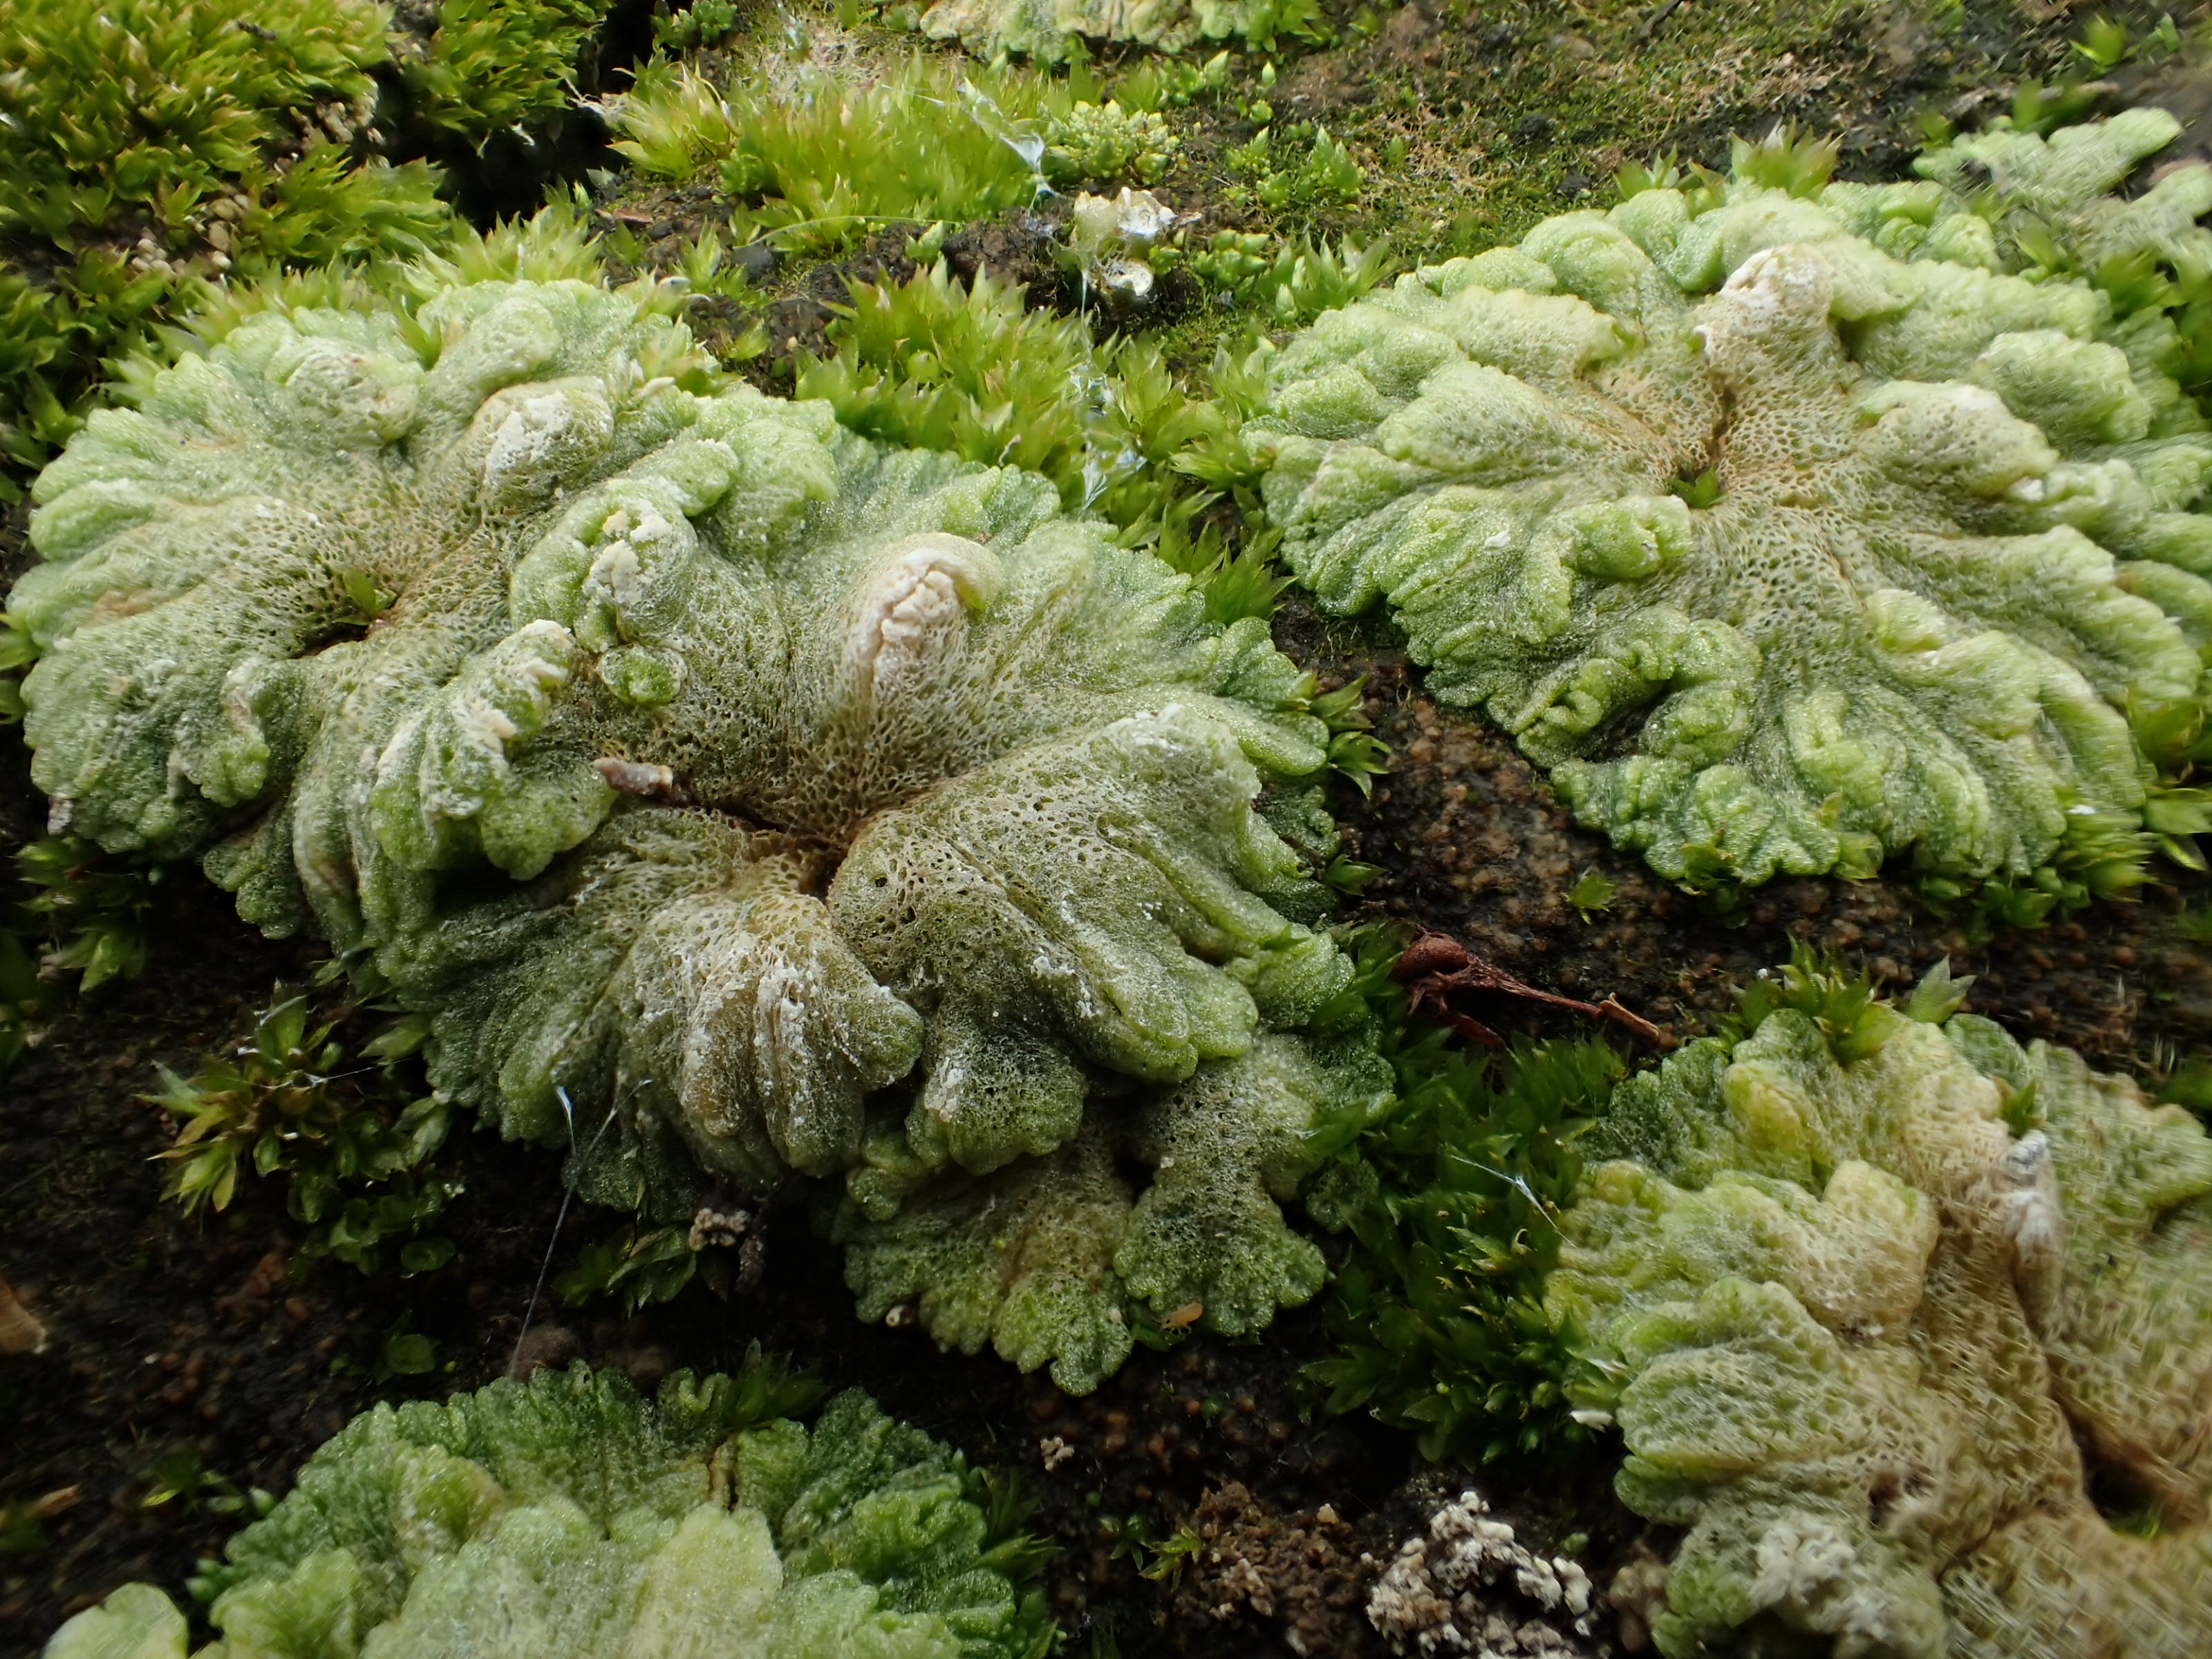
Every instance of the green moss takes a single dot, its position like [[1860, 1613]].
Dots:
[[336, 1128], [1452, 1200], [693, 24], [971, 370], [157, 152], [1284, 282], [818, 154], [822, 136], [485, 65], [160, 108], [152, 147], [75, 920], [1299, 172]]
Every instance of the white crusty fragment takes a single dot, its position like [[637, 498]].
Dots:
[[543, 438], [1471, 1586]]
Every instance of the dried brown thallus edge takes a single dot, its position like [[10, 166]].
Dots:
[[20, 1330], [1435, 965]]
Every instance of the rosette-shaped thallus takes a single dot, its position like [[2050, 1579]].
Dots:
[[1781, 552], [1912, 1336], [571, 1516], [738, 796]]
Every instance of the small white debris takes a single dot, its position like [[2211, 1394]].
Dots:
[[1470, 1588], [1054, 1452], [719, 1225]]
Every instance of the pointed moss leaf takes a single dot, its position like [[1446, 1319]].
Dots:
[[1938, 995]]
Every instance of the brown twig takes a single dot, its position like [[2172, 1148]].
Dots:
[[1435, 965]]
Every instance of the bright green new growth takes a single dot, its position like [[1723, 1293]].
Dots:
[[1293, 281], [736, 795], [701, 23], [1781, 552], [971, 370], [1324, 176], [570, 1516], [815, 156], [1107, 143], [1877, 1304]]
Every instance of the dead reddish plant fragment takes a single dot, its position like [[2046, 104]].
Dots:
[[1436, 965]]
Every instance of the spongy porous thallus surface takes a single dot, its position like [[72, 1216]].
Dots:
[[1876, 1329], [1785, 549], [573, 1516], [738, 795]]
